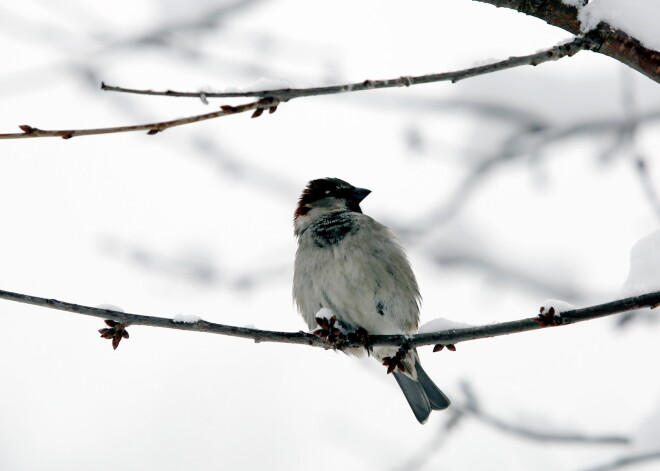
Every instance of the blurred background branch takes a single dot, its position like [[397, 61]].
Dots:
[[626, 461]]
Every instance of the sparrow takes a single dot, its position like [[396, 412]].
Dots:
[[352, 265]]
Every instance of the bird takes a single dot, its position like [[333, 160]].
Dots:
[[352, 265]]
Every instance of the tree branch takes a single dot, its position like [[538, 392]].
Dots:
[[472, 406], [613, 42], [284, 94], [626, 461], [448, 337], [151, 128]]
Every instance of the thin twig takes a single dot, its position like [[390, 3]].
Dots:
[[417, 460], [544, 436], [472, 407], [447, 337], [151, 128], [625, 461], [629, 134], [552, 54]]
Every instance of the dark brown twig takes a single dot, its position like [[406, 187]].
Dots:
[[452, 336], [151, 128]]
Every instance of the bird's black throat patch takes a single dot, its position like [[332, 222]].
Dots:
[[330, 229]]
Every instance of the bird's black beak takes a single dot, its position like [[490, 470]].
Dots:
[[359, 194]]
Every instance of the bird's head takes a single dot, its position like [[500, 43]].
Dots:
[[323, 196]]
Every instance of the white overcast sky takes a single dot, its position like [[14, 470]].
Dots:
[[197, 221]]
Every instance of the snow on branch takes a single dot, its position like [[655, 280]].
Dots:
[[118, 321], [612, 42], [284, 94]]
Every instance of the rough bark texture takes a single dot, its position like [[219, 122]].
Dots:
[[613, 42]]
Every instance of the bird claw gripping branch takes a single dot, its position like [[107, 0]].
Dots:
[[361, 337], [333, 333]]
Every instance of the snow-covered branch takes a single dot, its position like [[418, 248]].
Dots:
[[446, 337], [284, 94], [613, 42]]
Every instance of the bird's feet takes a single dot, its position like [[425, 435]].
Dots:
[[336, 333], [396, 362], [361, 336]]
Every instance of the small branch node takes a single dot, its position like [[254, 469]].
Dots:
[[439, 347], [549, 318], [27, 129], [115, 332]]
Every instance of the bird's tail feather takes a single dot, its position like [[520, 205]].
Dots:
[[437, 398], [422, 395], [415, 395]]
